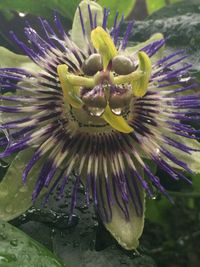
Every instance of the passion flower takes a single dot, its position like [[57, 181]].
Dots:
[[102, 110]]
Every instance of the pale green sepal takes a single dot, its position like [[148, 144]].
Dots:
[[15, 197], [76, 33], [127, 233], [140, 86], [12, 60], [192, 160]]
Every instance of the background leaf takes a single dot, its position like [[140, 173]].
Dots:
[[15, 198], [41, 8], [155, 5], [18, 250], [123, 7]]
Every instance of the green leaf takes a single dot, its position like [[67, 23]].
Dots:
[[123, 7], [15, 197], [178, 8], [19, 250], [157, 210], [155, 5], [196, 182], [41, 8]]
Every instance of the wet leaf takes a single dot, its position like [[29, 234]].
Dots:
[[18, 249], [15, 197], [83, 242]]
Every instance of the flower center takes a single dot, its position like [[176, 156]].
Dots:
[[109, 83]]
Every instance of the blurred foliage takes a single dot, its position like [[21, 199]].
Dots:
[[43, 8], [155, 5], [124, 8], [68, 7]]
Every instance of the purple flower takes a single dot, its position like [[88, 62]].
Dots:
[[100, 109]]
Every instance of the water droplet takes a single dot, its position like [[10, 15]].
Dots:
[[157, 151], [3, 259], [184, 78], [53, 233], [76, 244], [22, 15], [14, 242], [3, 193], [117, 111], [3, 236], [23, 189], [3, 225], [96, 111], [136, 253], [181, 242], [4, 164], [9, 209]]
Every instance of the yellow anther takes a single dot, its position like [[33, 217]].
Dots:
[[140, 86], [69, 91], [103, 43], [116, 122]]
